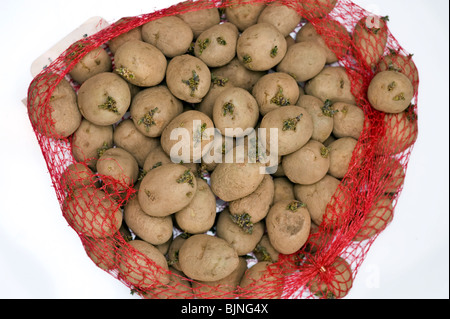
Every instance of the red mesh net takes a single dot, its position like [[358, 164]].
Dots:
[[357, 211]]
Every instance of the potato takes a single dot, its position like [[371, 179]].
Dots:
[[188, 137], [92, 212], [102, 251], [153, 108], [104, 98], [207, 258], [166, 190], [322, 115], [288, 224], [218, 85], [295, 128], [94, 62], [330, 35], [283, 17], [376, 219], [178, 288], [396, 61], [90, 141], [78, 175], [275, 90], [169, 34], [283, 189], [121, 166], [261, 281], [340, 280], [264, 251], [154, 230], [303, 60], [348, 121], [224, 288], [201, 20], [232, 180], [308, 165], [216, 46], [238, 75], [62, 108], [317, 8], [174, 249], [155, 158], [200, 214], [242, 234], [188, 78], [244, 14], [235, 110], [261, 47], [341, 154], [133, 34], [257, 204], [401, 131], [143, 266], [370, 37], [317, 196], [390, 92], [332, 83], [394, 176], [140, 63], [129, 138]]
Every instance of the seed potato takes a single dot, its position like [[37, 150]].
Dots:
[[140, 63], [283, 189], [207, 258], [317, 8], [341, 154], [261, 281], [322, 115], [153, 108], [264, 251], [261, 47], [348, 121], [166, 190], [244, 14], [133, 34], [201, 20], [283, 17], [288, 224], [95, 62]]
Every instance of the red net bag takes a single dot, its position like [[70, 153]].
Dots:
[[346, 213]]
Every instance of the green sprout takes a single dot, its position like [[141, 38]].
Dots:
[[186, 177], [102, 149], [265, 254], [110, 105], [392, 86], [400, 97], [327, 109], [247, 59], [324, 152], [218, 81], [291, 124], [274, 52], [200, 134], [243, 221], [193, 82], [294, 205], [203, 45], [279, 99], [221, 41], [228, 108], [124, 72], [148, 119]]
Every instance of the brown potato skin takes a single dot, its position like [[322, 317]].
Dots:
[[78, 175], [376, 220], [96, 91], [322, 123], [135, 268], [95, 62], [129, 138], [88, 139], [257, 204], [370, 37], [390, 92], [341, 153], [348, 121], [244, 14], [120, 165], [161, 195], [133, 34], [308, 165], [145, 62], [199, 216], [284, 18], [207, 258], [256, 45], [283, 189], [170, 34], [154, 230], [201, 20], [91, 212], [288, 229], [288, 140], [159, 101], [242, 241], [181, 69], [260, 282]]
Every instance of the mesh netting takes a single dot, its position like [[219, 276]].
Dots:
[[357, 211]]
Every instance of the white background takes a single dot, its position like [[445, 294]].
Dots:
[[41, 257]]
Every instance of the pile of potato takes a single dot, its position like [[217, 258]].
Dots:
[[197, 219]]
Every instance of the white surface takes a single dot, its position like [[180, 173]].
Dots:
[[41, 257]]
